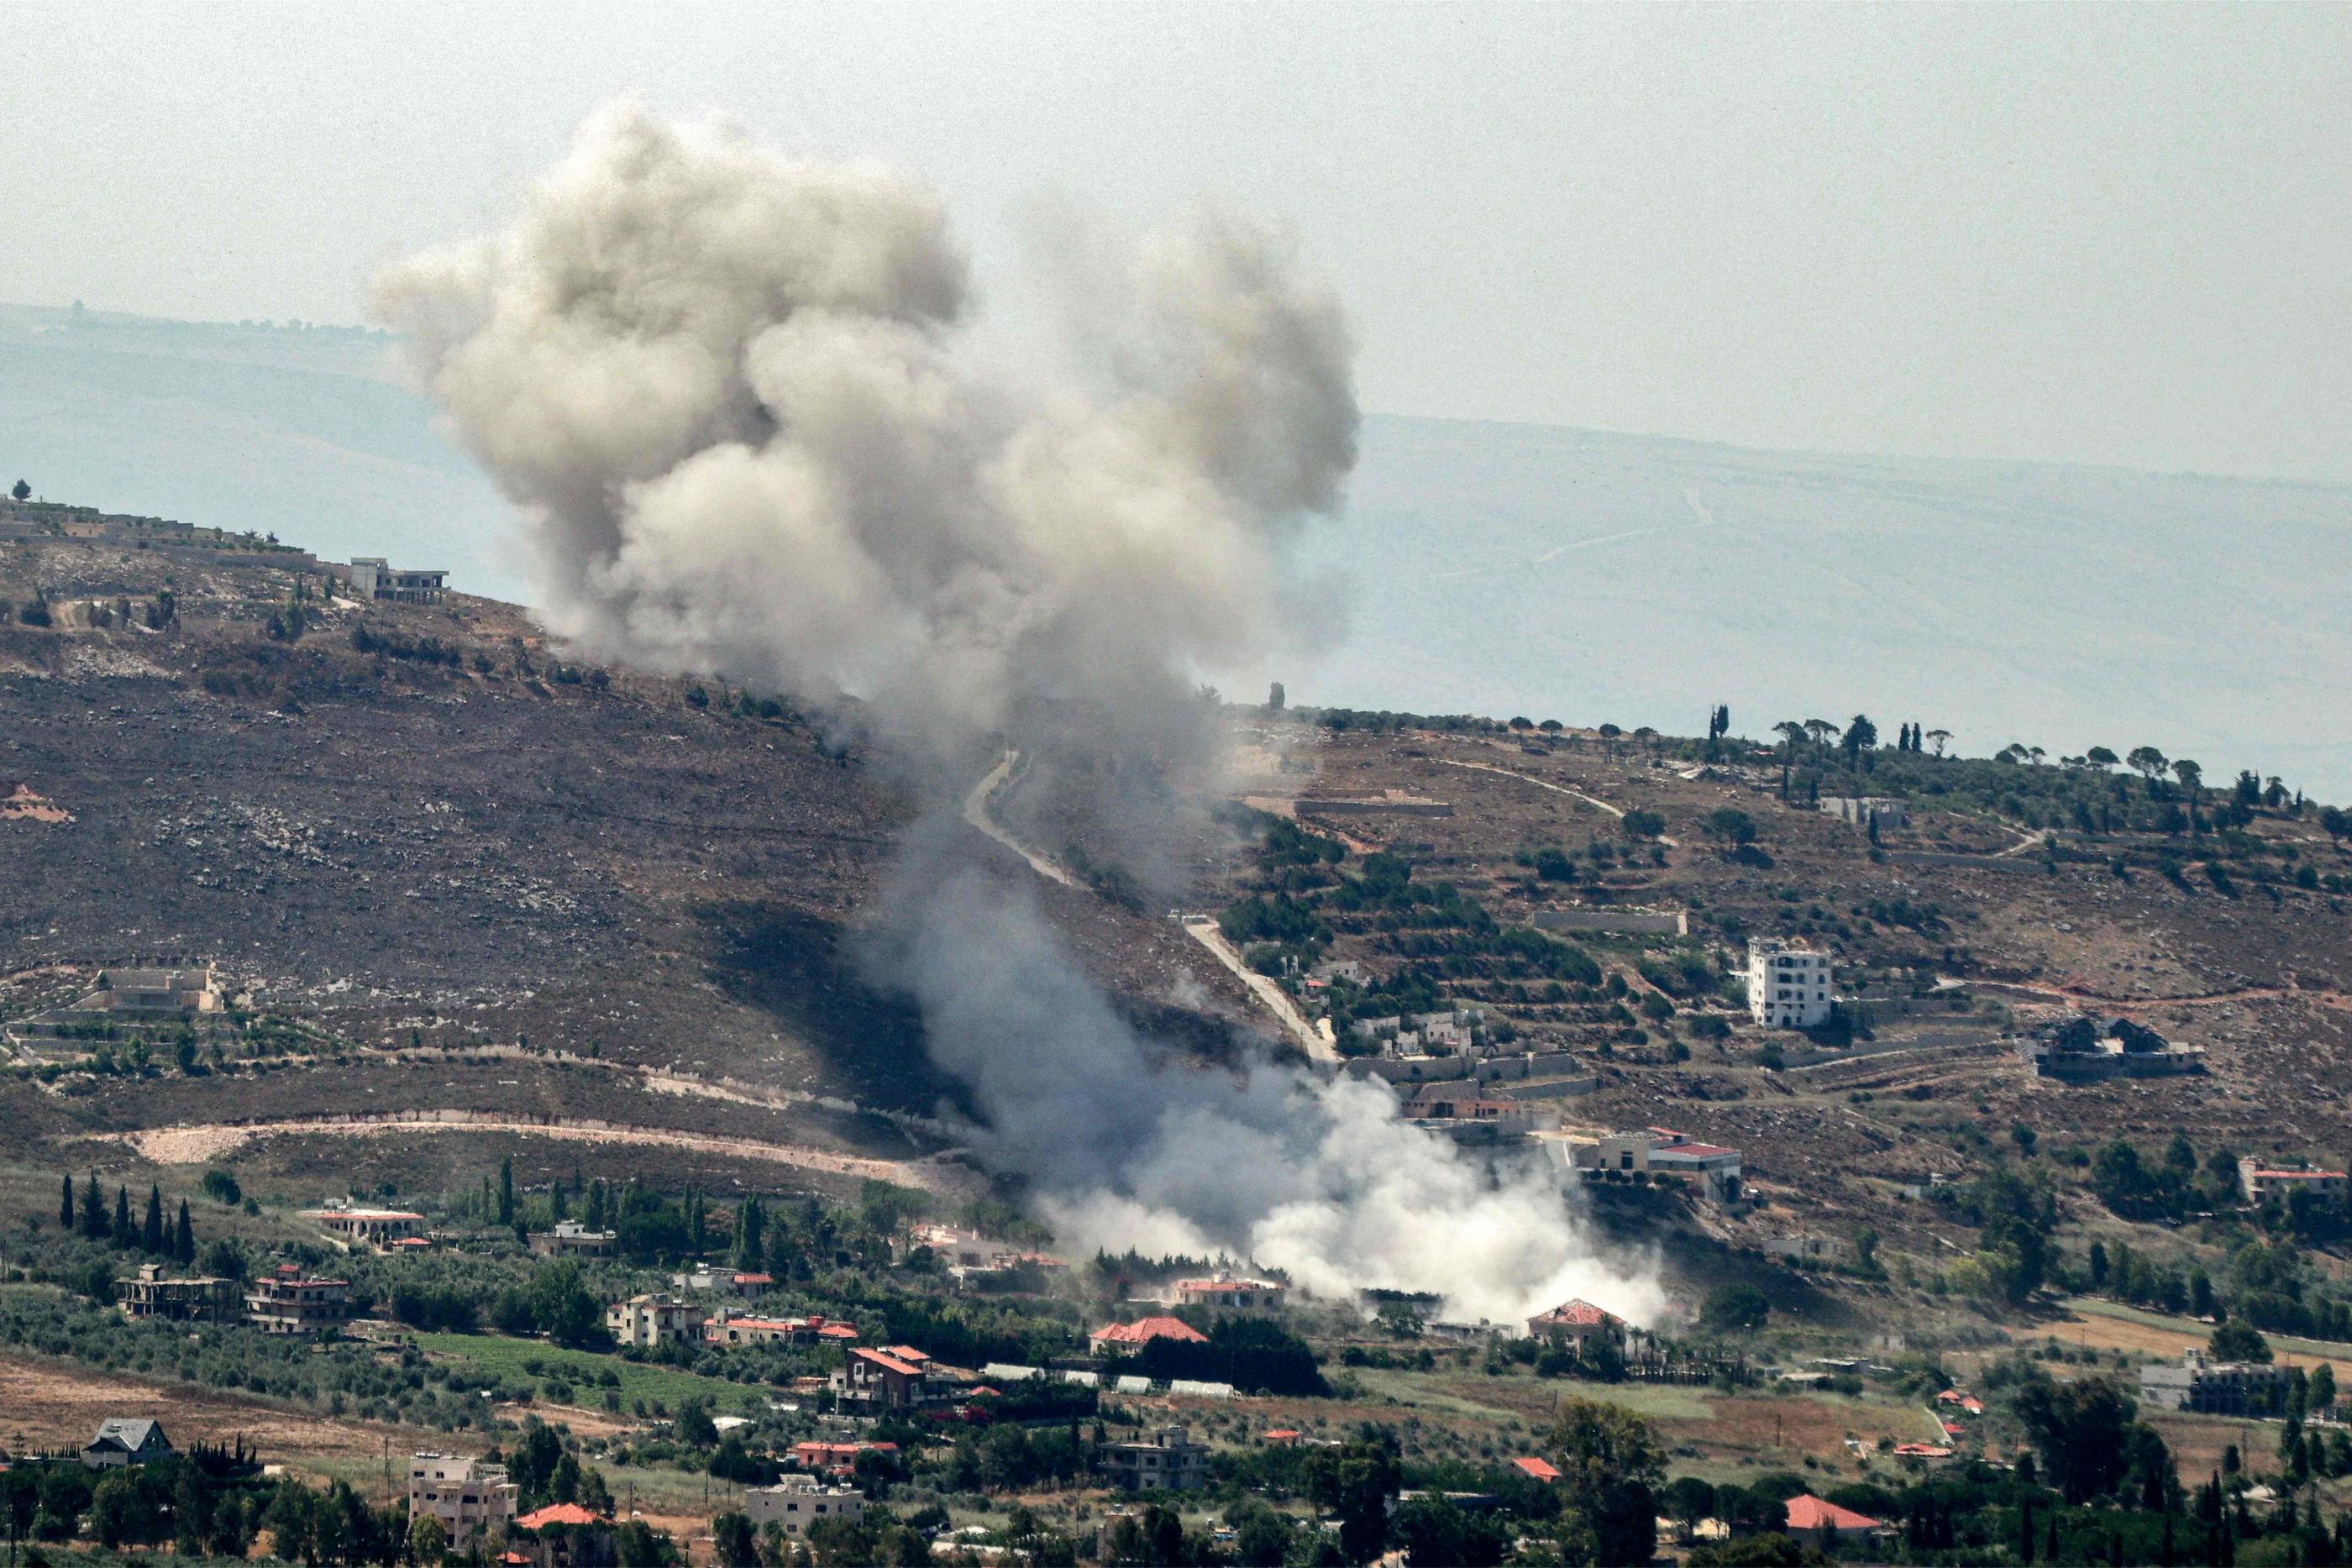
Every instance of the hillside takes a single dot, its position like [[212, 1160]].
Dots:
[[414, 831]]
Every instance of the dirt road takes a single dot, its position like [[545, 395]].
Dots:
[[1273, 996], [199, 1145], [976, 811], [1617, 811]]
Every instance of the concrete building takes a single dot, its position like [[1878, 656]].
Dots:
[[1578, 1325], [473, 1500], [649, 1320], [799, 1501], [2260, 1182], [125, 1441], [570, 1239], [373, 577], [376, 1228], [744, 1328], [287, 1302], [878, 1378], [154, 993], [197, 1300], [2215, 1387], [1658, 1150], [1789, 982], [1880, 811], [1168, 1460], [1226, 1294], [2081, 1049]]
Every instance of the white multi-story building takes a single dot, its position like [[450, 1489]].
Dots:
[[648, 1320], [1787, 984], [473, 1500], [798, 1501]]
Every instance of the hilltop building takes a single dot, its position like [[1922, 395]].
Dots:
[[154, 993], [373, 577], [1789, 982], [1868, 810], [2079, 1049], [376, 1228]]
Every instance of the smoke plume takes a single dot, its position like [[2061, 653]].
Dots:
[[742, 405]]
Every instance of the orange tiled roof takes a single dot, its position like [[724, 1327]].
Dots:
[[1144, 1330]]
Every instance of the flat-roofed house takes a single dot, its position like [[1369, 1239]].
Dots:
[[1228, 1294], [287, 1302], [649, 1320], [472, 1499], [376, 1228], [797, 1502], [199, 1299]]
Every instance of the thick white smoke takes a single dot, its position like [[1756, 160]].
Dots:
[[738, 401]]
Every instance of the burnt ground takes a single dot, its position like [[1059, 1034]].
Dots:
[[483, 848]]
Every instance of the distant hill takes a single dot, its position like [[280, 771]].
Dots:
[[1513, 568], [1494, 568]]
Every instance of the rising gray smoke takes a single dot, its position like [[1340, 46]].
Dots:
[[742, 406]]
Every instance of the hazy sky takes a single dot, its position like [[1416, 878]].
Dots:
[[2106, 234]]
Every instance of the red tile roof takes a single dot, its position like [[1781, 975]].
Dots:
[[559, 1513], [1144, 1330], [755, 1279], [836, 1330], [906, 1352], [1921, 1451], [1578, 1314], [888, 1362], [1807, 1511], [1538, 1469], [1281, 1435]]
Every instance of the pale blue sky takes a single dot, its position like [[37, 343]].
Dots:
[[2097, 233]]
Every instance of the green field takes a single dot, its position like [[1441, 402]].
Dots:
[[662, 1386], [2094, 1307]]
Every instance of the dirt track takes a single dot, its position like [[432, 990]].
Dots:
[[200, 1145]]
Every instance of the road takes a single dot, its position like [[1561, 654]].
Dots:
[[1272, 997], [976, 813], [1617, 811], [1275, 998]]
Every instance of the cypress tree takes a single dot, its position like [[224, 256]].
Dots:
[[506, 1190], [2025, 1530], [93, 1210], [151, 1235], [124, 1236], [184, 1243], [555, 1204], [65, 1205]]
